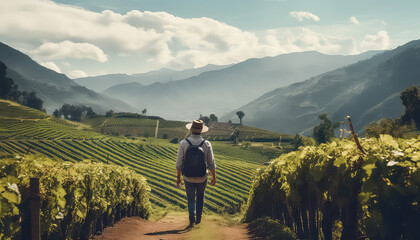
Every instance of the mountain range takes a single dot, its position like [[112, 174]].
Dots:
[[53, 88], [164, 75], [367, 91], [220, 91]]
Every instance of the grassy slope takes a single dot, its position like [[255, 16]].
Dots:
[[25, 130], [145, 126]]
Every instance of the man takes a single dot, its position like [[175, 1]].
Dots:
[[195, 155]]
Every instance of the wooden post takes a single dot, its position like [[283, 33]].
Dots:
[[29, 148], [157, 128], [355, 136], [35, 209]]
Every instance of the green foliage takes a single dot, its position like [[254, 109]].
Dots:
[[376, 194], [411, 101], [391, 127], [74, 112], [71, 193], [152, 158], [213, 117], [109, 113], [269, 229], [240, 115], [324, 131], [297, 141], [9, 91]]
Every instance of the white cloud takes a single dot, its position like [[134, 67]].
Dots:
[[76, 74], [379, 41], [51, 66], [67, 49], [304, 39], [354, 20], [51, 31], [300, 16]]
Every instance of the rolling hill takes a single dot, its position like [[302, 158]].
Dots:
[[54, 88], [220, 91], [103, 82], [367, 91], [25, 130]]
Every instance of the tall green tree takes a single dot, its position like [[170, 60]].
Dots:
[[240, 115], [33, 101], [324, 131], [411, 101], [297, 141], [8, 88], [213, 117]]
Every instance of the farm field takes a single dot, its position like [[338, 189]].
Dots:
[[129, 124], [155, 159]]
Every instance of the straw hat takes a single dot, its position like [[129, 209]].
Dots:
[[197, 126]]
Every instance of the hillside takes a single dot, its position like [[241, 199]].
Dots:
[[137, 125], [53, 88], [27, 131], [103, 82], [220, 91], [367, 91]]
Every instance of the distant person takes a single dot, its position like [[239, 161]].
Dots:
[[195, 156]]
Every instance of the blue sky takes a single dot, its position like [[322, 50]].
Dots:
[[91, 37]]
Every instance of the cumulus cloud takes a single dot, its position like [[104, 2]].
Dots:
[[300, 16], [354, 20], [51, 66], [379, 41], [304, 39], [67, 49], [76, 74], [51, 31]]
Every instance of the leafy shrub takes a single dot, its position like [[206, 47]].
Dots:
[[269, 229], [73, 195], [387, 126], [374, 194]]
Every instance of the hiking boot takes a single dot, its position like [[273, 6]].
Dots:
[[198, 220], [192, 220]]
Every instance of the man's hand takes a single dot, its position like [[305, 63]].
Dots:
[[213, 177], [213, 181], [179, 182]]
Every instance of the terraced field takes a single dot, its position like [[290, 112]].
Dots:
[[39, 133], [149, 126]]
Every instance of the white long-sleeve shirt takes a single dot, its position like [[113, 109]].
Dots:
[[208, 156]]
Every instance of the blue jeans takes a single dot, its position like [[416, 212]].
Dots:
[[195, 190]]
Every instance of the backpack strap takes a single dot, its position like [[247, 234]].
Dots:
[[188, 141], [201, 144]]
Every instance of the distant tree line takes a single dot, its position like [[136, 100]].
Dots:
[[408, 121], [9, 91], [74, 112], [207, 120]]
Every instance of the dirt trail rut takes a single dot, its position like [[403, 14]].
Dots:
[[173, 226]]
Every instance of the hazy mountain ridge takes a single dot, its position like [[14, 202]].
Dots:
[[54, 88], [367, 91], [103, 82], [220, 91]]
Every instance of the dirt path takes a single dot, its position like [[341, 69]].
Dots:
[[173, 226]]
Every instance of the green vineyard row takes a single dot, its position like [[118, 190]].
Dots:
[[334, 189], [77, 198]]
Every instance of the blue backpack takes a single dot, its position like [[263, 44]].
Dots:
[[194, 163]]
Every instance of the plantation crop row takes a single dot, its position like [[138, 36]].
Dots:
[[335, 189], [156, 163], [77, 198], [43, 129], [13, 110]]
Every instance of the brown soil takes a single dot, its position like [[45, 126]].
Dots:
[[173, 226]]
